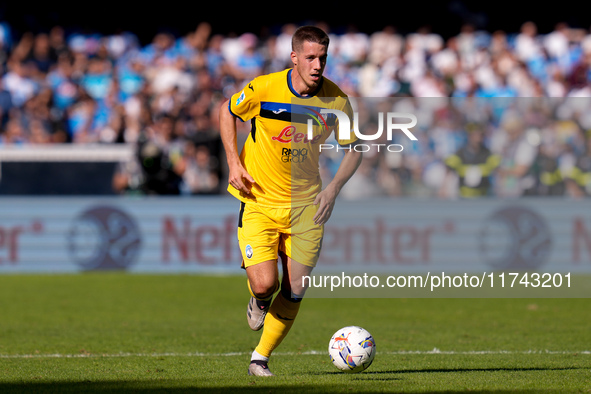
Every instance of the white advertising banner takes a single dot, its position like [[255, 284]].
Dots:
[[62, 234]]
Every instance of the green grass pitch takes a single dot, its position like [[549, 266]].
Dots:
[[118, 332]]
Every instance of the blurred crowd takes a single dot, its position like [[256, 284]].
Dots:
[[470, 147], [163, 97]]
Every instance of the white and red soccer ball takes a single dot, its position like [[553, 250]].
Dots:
[[352, 349]]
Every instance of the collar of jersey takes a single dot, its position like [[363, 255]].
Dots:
[[296, 93]]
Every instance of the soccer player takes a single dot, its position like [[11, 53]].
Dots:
[[276, 177]]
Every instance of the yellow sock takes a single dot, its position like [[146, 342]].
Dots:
[[278, 321]]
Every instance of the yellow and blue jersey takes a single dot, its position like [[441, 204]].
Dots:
[[278, 153]]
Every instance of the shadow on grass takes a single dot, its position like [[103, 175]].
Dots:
[[162, 387], [253, 386], [262, 385], [505, 369], [447, 370]]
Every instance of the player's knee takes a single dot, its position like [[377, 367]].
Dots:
[[263, 290]]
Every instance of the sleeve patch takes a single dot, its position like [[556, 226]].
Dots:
[[240, 98]]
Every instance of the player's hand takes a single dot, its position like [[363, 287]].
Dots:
[[240, 179], [325, 201]]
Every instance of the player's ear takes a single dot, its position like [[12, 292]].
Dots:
[[294, 58]]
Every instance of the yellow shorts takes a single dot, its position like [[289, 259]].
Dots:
[[263, 232]]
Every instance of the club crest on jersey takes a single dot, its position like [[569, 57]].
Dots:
[[240, 98], [248, 251]]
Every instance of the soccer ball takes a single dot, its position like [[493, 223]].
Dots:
[[352, 349]]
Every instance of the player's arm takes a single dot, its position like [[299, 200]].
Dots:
[[327, 197], [237, 172]]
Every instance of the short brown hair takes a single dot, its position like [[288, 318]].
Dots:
[[308, 33]]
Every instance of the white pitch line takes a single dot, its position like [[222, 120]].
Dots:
[[306, 353]]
